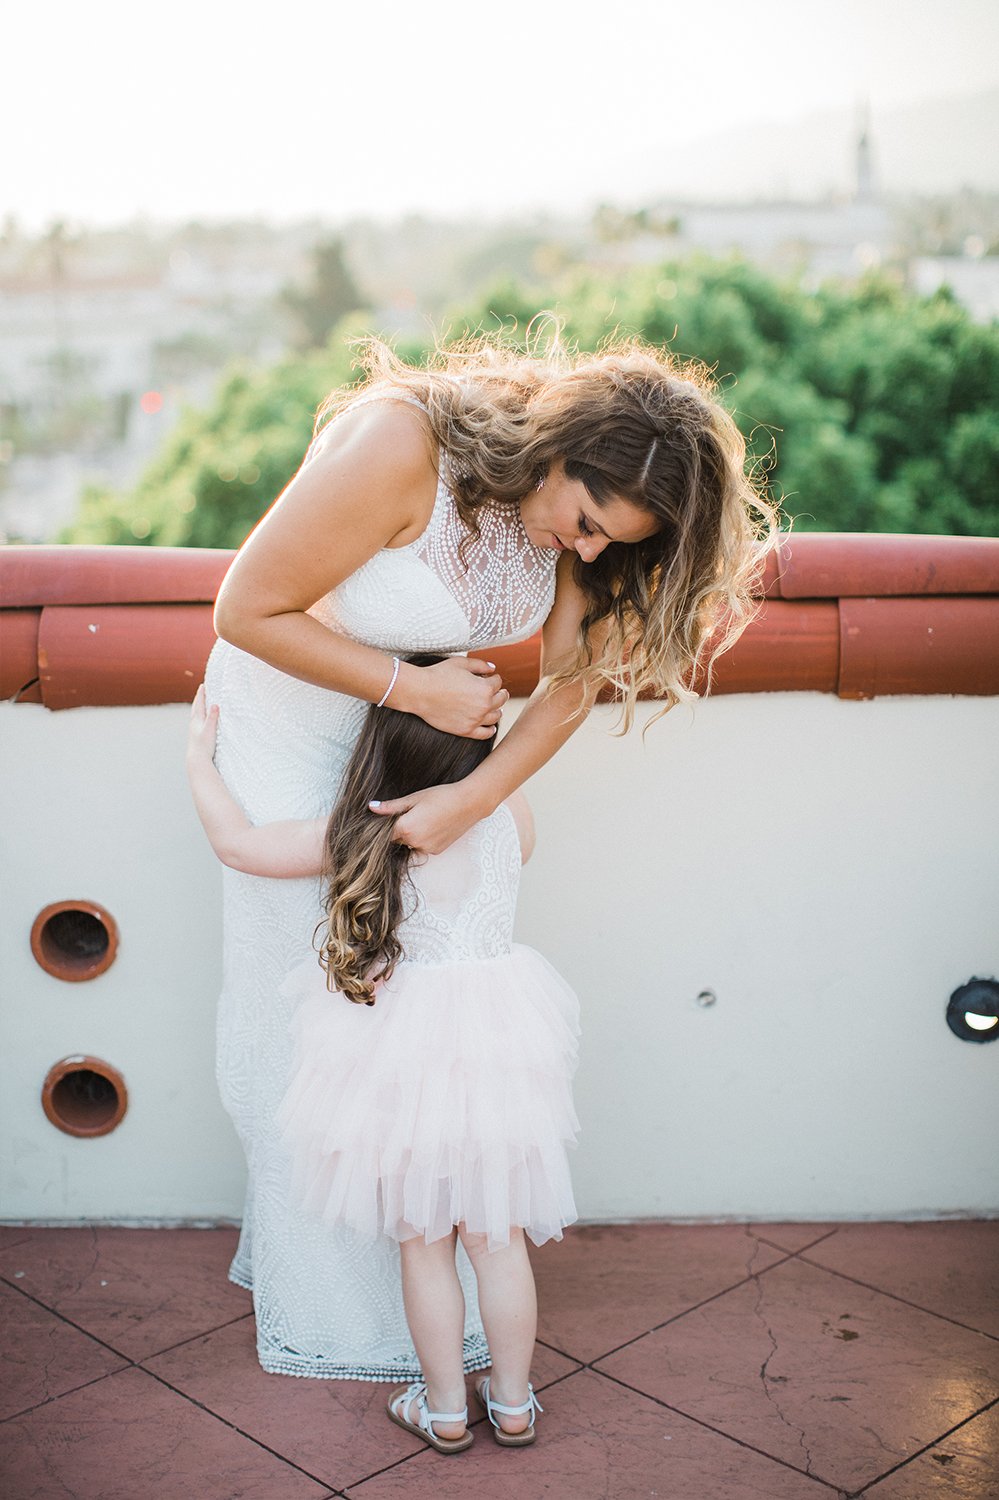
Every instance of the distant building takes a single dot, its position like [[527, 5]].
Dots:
[[831, 237], [973, 280], [102, 342], [866, 186]]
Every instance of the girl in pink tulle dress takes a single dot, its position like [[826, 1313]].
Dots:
[[430, 1097]]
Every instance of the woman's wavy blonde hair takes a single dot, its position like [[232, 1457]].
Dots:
[[630, 421], [364, 869]]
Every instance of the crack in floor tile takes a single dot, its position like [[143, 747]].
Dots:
[[771, 1395]]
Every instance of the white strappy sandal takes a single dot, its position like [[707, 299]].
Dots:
[[530, 1407], [402, 1401]]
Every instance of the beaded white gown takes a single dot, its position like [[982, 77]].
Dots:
[[328, 1302]]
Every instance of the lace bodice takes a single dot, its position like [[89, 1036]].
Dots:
[[432, 595], [461, 903], [448, 590]]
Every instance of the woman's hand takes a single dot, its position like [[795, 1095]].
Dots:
[[431, 820], [460, 695], [203, 728]]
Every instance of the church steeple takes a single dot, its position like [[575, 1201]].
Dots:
[[866, 189]]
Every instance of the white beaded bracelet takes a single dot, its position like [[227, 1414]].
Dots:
[[395, 672]]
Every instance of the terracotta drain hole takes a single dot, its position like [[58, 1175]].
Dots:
[[74, 940], [84, 1096]]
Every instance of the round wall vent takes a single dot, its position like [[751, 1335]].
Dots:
[[84, 1096], [74, 940], [973, 1011]]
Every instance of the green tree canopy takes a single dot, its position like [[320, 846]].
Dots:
[[220, 469], [866, 408]]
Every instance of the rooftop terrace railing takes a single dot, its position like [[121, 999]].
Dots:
[[857, 615]]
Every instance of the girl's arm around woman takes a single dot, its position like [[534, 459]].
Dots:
[[279, 850]]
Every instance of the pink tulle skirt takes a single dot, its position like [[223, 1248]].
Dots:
[[446, 1102]]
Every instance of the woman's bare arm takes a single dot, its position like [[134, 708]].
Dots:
[[279, 850], [433, 819], [370, 483]]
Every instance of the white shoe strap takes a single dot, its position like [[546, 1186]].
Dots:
[[418, 1393], [403, 1403], [532, 1404], [446, 1416]]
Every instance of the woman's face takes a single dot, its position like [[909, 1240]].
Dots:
[[563, 515]]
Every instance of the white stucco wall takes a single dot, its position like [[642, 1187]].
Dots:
[[94, 805], [829, 869]]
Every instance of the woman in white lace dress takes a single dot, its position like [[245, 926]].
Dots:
[[602, 499]]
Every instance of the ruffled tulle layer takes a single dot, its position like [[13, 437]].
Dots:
[[446, 1102]]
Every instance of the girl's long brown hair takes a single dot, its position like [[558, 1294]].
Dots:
[[364, 868], [629, 421]]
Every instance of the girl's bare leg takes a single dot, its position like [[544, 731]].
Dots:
[[435, 1312], [509, 1307]]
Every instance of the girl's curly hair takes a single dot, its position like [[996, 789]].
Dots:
[[364, 868]]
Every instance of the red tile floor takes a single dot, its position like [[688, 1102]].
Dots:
[[706, 1362]]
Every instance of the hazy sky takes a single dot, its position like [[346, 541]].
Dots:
[[194, 108]]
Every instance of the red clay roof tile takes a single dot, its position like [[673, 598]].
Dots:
[[122, 653], [111, 575], [839, 565], [855, 614], [947, 645]]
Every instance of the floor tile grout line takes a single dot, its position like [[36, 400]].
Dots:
[[855, 1494], [37, 1405], [720, 1432], [396, 1463], [128, 1363], [791, 1255], [13, 1244], [554, 1349], [140, 1365], [560, 1379], [694, 1307], [905, 1301], [69, 1322], [169, 1348], [130, 1359], [601, 1374], [200, 1406], [801, 1248]]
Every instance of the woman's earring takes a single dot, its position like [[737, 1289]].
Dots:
[[541, 483]]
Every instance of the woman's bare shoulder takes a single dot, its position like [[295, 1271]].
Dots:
[[369, 483], [375, 463], [390, 432]]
